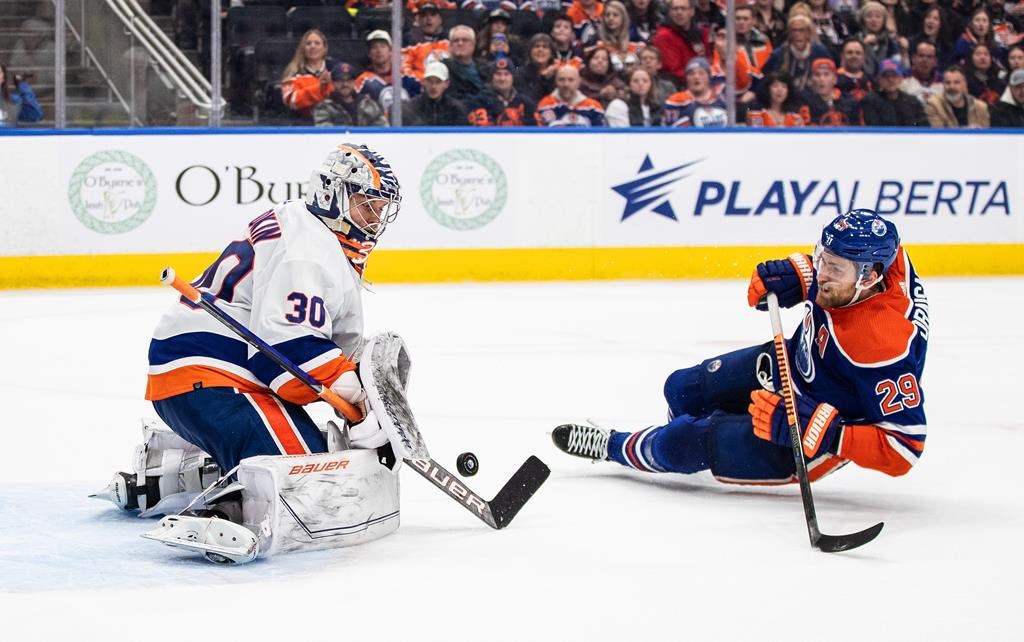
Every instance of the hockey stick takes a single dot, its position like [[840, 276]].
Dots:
[[826, 543], [497, 513]]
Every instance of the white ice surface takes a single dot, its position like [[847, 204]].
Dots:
[[600, 553]]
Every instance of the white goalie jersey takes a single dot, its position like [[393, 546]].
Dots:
[[289, 281]]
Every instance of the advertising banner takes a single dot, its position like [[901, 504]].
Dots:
[[193, 192]]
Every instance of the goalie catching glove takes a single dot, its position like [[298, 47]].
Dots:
[[789, 279], [819, 423], [367, 433]]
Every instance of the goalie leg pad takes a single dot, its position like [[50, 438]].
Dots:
[[168, 473], [326, 500]]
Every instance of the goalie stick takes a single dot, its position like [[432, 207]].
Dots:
[[825, 543], [496, 513]]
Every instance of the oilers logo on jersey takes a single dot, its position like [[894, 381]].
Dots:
[[804, 359]]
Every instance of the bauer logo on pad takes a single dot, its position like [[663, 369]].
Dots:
[[322, 467]]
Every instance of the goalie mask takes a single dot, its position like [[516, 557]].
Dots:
[[355, 193]]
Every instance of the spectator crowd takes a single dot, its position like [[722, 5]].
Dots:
[[615, 63], [660, 63]]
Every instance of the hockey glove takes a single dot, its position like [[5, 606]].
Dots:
[[789, 278], [367, 433], [819, 423], [349, 388]]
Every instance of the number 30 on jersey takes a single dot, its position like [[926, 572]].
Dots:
[[306, 307]]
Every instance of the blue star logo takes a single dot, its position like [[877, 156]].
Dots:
[[650, 188]]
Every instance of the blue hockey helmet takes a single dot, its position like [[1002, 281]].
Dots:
[[863, 237]]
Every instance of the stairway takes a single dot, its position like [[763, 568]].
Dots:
[[26, 47]]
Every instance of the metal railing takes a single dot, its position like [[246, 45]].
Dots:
[[182, 74], [112, 33], [87, 57]]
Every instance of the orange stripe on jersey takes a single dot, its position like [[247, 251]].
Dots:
[[280, 426], [296, 392], [877, 330], [185, 379], [868, 446]]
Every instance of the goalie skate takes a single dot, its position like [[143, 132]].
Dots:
[[588, 442], [120, 491], [218, 540]]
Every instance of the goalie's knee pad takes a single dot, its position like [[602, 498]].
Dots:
[[326, 500], [721, 383], [168, 473]]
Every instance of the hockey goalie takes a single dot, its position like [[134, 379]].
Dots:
[[238, 466]]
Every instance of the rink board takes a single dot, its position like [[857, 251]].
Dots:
[[115, 207]]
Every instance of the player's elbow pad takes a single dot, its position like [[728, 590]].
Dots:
[[878, 449]]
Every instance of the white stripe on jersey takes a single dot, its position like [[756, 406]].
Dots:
[[901, 449], [909, 430], [312, 364], [226, 366]]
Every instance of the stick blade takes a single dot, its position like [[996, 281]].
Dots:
[[518, 490], [839, 543]]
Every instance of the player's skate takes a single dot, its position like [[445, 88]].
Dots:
[[588, 442], [121, 491]]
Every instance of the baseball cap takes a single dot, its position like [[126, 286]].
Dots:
[[379, 34], [499, 14], [890, 66], [698, 63], [437, 70], [1017, 78], [823, 63], [342, 70], [428, 6]]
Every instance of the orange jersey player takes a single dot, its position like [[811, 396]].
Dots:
[[857, 359]]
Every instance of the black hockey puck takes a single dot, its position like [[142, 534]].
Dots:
[[467, 464]]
